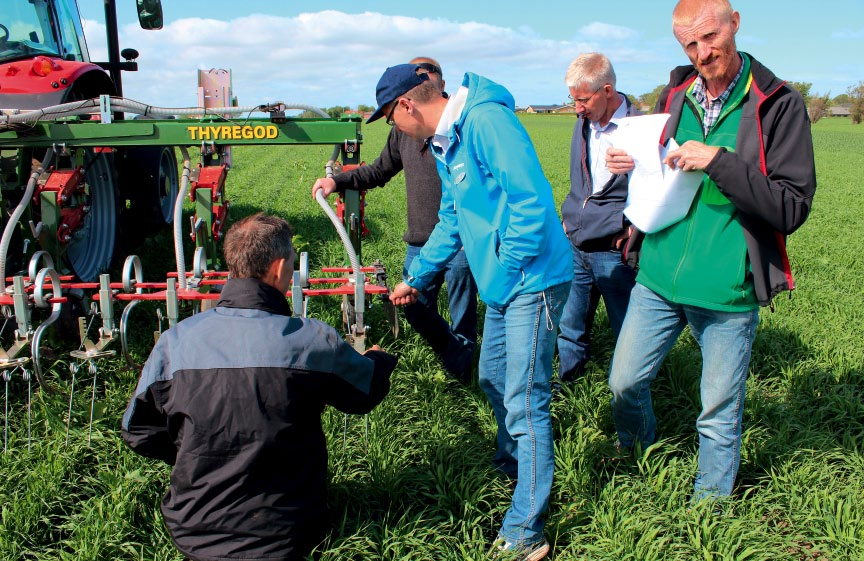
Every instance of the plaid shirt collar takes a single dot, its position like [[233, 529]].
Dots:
[[712, 108]]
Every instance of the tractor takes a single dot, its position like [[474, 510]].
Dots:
[[98, 196], [78, 178]]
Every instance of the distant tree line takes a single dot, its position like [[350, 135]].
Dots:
[[818, 105], [336, 111]]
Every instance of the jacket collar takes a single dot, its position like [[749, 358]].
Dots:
[[253, 294], [764, 79]]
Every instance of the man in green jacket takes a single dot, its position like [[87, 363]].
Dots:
[[748, 132]]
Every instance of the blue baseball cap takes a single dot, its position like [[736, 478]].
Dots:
[[395, 81]]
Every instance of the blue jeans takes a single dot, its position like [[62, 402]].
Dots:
[[515, 369], [726, 338], [595, 274], [454, 342]]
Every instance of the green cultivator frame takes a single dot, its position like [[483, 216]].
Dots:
[[59, 173]]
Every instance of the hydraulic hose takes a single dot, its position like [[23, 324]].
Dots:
[[359, 280], [178, 219], [343, 233], [89, 106], [12, 223]]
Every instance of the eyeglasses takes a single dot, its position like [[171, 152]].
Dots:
[[585, 100], [390, 120], [429, 67]]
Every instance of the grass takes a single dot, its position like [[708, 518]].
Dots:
[[418, 485]]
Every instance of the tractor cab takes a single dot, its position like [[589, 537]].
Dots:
[[43, 54], [30, 28]]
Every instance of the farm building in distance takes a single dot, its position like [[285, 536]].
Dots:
[[550, 109]]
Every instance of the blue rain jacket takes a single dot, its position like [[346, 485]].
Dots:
[[496, 202]]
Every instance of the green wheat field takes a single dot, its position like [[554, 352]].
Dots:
[[413, 479]]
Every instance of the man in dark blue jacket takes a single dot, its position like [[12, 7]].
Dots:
[[593, 212], [232, 398]]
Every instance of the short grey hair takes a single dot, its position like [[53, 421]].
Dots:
[[254, 243], [590, 69]]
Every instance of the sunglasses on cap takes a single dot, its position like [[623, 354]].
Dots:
[[429, 67]]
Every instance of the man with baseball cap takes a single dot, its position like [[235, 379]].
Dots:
[[453, 342], [498, 205]]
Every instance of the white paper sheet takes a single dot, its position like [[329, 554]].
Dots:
[[658, 196]]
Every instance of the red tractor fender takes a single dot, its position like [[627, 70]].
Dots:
[[42, 81]]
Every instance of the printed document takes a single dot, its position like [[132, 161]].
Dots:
[[658, 196]]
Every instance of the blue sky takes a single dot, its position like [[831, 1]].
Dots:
[[327, 52]]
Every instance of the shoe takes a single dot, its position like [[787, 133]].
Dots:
[[504, 550]]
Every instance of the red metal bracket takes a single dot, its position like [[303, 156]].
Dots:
[[70, 220], [64, 183], [213, 178]]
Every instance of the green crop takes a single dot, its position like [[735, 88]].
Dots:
[[418, 484]]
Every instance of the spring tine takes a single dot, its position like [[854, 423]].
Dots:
[[6, 412], [92, 402], [26, 374], [345, 432], [73, 368]]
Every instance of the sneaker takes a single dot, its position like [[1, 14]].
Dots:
[[504, 550]]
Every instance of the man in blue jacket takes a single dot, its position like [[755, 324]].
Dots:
[[497, 203], [593, 212], [454, 343]]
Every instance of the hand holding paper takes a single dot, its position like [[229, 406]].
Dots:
[[659, 195], [692, 156]]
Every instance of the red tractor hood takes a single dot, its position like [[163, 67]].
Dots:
[[41, 81]]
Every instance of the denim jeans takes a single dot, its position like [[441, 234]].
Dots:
[[595, 274], [515, 369], [650, 329], [454, 342]]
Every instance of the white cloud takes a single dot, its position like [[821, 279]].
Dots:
[[600, 30], [745, 41], [332, 58], [94, 32]]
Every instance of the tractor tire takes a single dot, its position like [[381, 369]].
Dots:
[[149, 180], [91, 249]]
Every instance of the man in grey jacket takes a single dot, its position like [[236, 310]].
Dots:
[[593, 212], [455, 342]]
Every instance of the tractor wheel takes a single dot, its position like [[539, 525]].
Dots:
[[91, 248], [150, 182]]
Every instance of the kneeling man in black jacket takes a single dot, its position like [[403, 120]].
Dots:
[[232, 398]]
